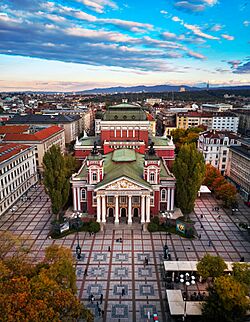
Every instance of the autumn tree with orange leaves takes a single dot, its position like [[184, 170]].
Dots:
[[44, 291]]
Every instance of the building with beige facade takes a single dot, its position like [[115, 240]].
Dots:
[[18, 173]]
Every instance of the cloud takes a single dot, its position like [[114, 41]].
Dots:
[[227, 37], [176, 19], [194, 5], [99, 5], [172, 36], [197, 31], [195, 55], [216, 27], [240, 66], [243, 68], [246, 23], [164, 12]]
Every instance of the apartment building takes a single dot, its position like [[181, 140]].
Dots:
[[85, 121], [221, 107], [225, 122], [18, 173], [215, 147], [238, 170], [42, 140], [193, 119]]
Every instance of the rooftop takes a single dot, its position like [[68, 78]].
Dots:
[[124, 112], [213, 134], [241, 150], [38, 136], [43, 119], [13, 129], [131, 169], [8, 150], [124, 155]]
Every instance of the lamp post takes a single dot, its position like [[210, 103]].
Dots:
[[187, 280], [78, 248]]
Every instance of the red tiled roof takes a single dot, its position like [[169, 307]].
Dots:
[[38, 136], [13, 129], [7, 150]]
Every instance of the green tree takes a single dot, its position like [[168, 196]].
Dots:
[[227, 301], [241, 273], [189, 170], [211, 266], [56, 178]]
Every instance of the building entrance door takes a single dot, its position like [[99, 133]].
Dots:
[[110, 215], [123, 212]]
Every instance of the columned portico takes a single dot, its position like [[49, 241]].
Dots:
[[98, 208], [148, 209], [142, 209], [116, 210], [103, 209], [129, 209]]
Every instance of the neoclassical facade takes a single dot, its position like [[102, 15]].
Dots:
[[123, 178]]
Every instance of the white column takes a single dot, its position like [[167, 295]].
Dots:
[[133, 132], [129, 209], [75, 203], [148, 209], [115, 132], [98, 208], [103, 209], [127, 131], [168, 204], [172, 199], [116, 210], [79, 199], [142, 209]]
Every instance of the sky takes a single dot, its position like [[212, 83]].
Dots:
[[81, 44]]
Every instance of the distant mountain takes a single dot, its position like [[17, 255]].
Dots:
[[139, 89], [156, 89]]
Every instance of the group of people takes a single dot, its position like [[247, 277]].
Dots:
[[99, 309]]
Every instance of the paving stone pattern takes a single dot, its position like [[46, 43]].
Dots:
[[123, 268]]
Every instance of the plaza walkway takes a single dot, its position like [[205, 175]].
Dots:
[[122, 269]]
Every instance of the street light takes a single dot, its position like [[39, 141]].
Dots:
[[187, 280], [78, 248]]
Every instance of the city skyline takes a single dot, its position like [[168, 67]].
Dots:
[[78, 45]]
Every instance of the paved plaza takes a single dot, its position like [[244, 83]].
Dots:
[[122, 269]]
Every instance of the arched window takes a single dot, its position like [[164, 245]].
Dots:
[[83, 194], [152, 177], [94, 176], [163, 195]]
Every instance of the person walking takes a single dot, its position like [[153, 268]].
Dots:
[[86, 272], [101, 299], [103, 313], [99, 311], [209, 243], [109, 249], [123, 291]]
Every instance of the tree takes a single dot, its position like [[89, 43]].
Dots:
[[241, 273], [211, 266], [227, 301], [181, 136], [189, 170], [56, 178], [218, 182], [211, 174], [45, 291], [227, 193]]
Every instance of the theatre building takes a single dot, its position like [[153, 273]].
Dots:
[[125, 174]]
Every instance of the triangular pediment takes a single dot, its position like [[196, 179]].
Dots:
[[123, 183]]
